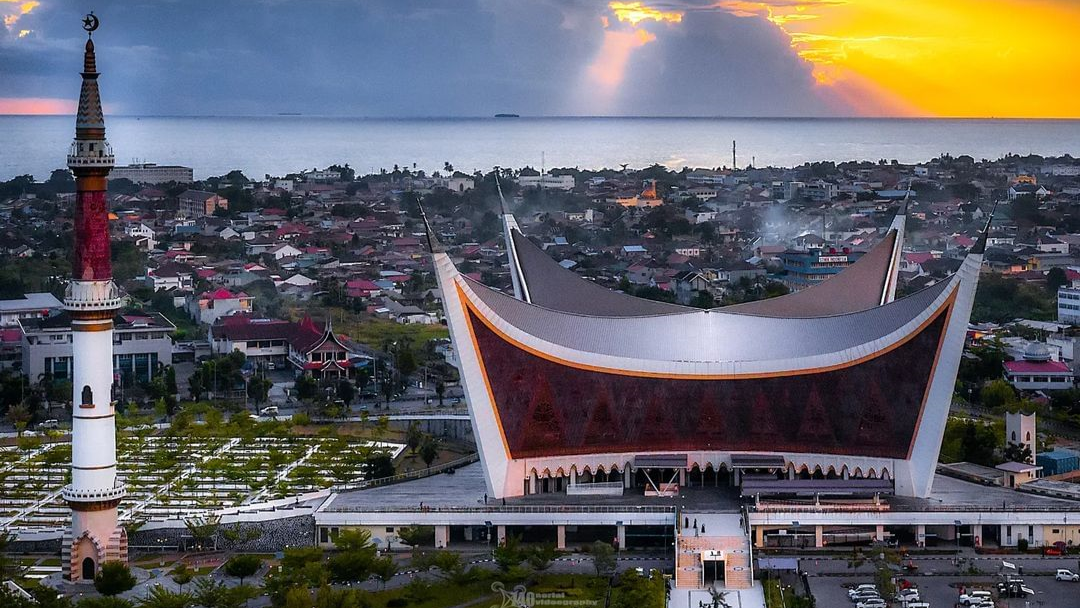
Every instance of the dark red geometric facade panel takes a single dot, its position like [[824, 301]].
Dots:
[[550, 409], [92, 262]]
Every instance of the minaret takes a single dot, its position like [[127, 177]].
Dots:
[[92, 301]]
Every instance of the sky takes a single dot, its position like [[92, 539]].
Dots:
[[410, 58]]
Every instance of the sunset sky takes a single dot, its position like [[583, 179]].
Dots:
[[962, 58]]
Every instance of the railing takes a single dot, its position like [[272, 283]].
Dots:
[[418, 474], [508, 509], [941, 508], [112, 493]]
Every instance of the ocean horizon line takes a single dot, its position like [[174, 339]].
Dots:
[[579, 117]]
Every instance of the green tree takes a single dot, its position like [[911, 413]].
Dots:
[[384, 569], [997, 394], [440, 391], [1018, 452], [182, 575], [354, 557], [243, 566], [10, 567], [160, 597], [540, 556], [416, 536], [1055, 279], [114, 578], [306, 387], [508, 554], [603, 555], [346, 391], [429, 450], [413, 437]]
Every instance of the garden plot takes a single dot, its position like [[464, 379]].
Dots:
[[187, 477]]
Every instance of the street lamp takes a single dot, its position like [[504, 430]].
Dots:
[[957, 534], [488, 524]]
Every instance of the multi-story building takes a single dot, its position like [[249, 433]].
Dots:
[[150, 173], [547, 181], [1068, 305], [141, 343], [805, 268], [198, 203]]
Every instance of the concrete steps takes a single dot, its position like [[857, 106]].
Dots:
[[736, 550]]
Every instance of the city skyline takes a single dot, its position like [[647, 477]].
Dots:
[[554, 58]]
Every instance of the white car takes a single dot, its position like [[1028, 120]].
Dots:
[[973, 598], [908, 595], [1066, 575], [874, 602], [861, 589], [864, 595]]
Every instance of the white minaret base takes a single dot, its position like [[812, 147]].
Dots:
[[94, 494]]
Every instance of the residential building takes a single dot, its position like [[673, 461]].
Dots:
[[170, 275], [141, 344], [198, 203], [150, 173], [210, 306]]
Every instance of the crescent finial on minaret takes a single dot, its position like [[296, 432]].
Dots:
[[90, 23]]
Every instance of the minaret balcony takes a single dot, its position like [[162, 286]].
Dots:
[[93, 495], [91, 295], [90, 153]]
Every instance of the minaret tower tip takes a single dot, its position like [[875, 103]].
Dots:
[[91, 301]]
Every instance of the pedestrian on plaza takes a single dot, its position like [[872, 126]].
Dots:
[[702, 528], [485, 498]]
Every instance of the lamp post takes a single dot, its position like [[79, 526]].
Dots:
[[488, 537], [957, 533]]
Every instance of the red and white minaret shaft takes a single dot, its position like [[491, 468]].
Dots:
[[92, 301]]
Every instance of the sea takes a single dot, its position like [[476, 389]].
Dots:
[[276, 145]]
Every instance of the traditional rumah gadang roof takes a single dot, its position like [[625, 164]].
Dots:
[[540, 280], [546, 385]]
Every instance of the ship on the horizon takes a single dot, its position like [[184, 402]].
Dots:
[[507, 116]]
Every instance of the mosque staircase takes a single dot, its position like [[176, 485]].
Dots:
[[729, 540]]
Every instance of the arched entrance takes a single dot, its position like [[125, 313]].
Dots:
[[88, 569]]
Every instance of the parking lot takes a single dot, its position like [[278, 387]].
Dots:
[[943, 591]]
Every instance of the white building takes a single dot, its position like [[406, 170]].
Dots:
[[149, 173], [1037, 371], [1068, 305], [547, 181], [212, 305], [141, 343], [30, 306], [456, 184]]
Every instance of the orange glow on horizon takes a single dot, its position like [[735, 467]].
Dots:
[[37, 105], [636, 12], [962, 58]]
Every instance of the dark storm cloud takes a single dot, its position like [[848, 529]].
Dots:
[[398, 58]]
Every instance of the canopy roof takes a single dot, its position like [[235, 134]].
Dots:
[[869, 282]]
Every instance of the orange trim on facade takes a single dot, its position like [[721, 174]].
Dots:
[[484, 377], [946, 306]]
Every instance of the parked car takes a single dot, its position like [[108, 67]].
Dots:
[[974, 597], [271, 410], [1066, 575], [51, 423], [874, 602], [865, 595]]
